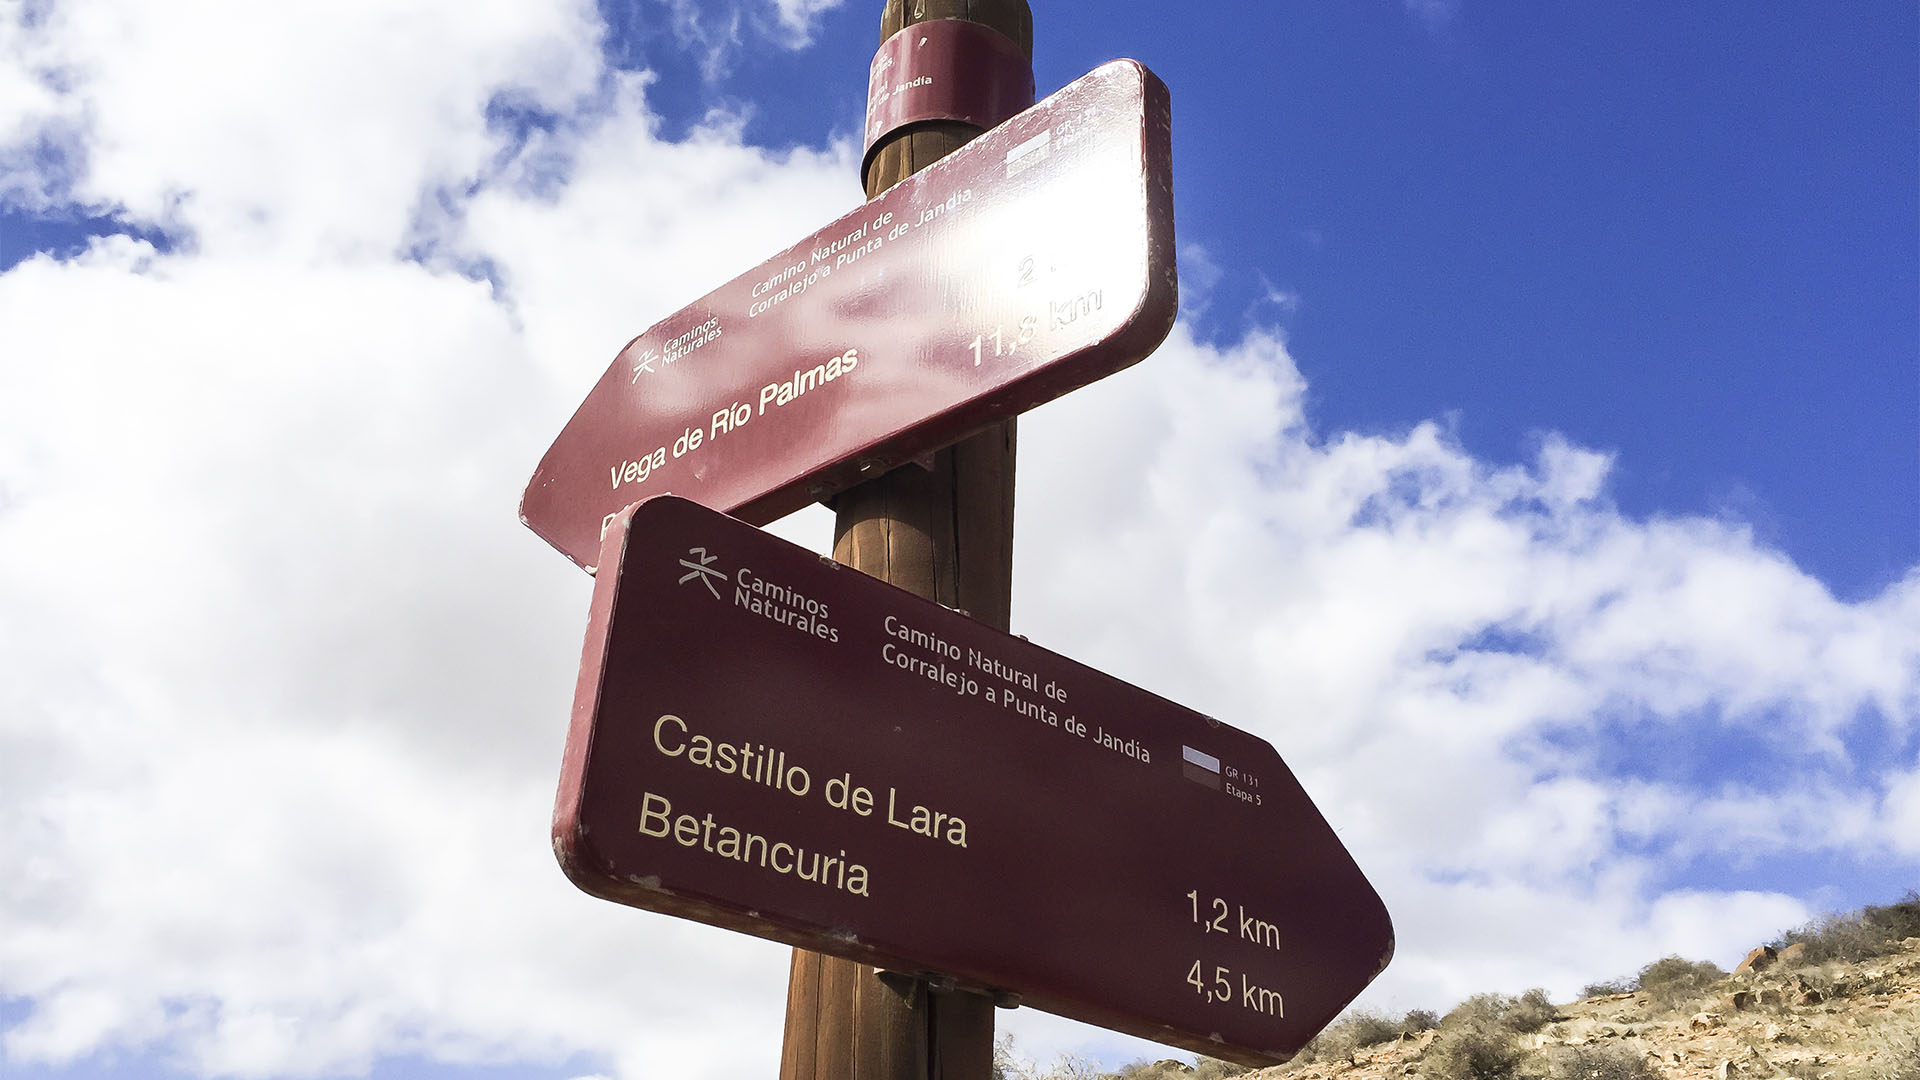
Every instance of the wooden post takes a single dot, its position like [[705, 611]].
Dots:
[[945, 533]]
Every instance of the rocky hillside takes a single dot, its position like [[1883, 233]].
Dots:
[[1777, 1016], [1837, 1000]]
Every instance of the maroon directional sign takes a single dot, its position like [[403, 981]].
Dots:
[[1034, 260], [767, 741]]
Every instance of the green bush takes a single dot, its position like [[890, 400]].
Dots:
[[1674, 980]]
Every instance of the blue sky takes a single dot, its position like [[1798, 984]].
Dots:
[[1536, 465], [1683, 233]]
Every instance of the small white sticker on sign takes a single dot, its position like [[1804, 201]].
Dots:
[[1201, 768], [1029, 153], [1205, 761]]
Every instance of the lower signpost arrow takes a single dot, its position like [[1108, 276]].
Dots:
[[776, 744]]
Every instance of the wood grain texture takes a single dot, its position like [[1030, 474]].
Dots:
[[944, 533]]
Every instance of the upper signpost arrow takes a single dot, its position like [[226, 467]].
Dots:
[[1034, 260]]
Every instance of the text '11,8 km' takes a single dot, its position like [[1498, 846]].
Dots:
[[1034, 260]]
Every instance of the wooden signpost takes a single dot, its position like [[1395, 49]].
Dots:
[[940, 817], [946, 535]]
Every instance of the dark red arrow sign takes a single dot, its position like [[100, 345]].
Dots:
[[1036, 259], [765, 740]]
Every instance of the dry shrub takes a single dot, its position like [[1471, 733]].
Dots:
[[1816, 979], [1154, 1070], [1897, 1051], [1601, 1061], [1074, 1067], [1673, 981], [1343, 1039], [1853, 936], [1531, 1012], [1607, 989], [1525, 1014], [1475, 1050], [1363, 1029], [1355, 1032], [1205, 1068], [1008, 1064], [1485, 1009], [1332, 1044], [1419, 1020]]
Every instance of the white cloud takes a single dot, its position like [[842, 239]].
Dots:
[[638, 219], [284, 681], [1285, 303], [712, 31], [37, 122], [1902, 819], [717, 32], [317, 125], [1183, 526], [800, 16], [1199, 274], [1720, 925], [285, 678]]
